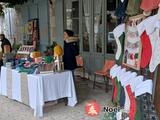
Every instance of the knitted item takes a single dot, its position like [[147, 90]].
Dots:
[[146, 50], [127, 101], [132, 110], [138, 111], [146, 45], [155, 42], [149, 5], [122, 97], [152, 27], [114, 91], [119, 36]]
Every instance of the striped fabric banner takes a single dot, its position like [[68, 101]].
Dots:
[[24, 89]]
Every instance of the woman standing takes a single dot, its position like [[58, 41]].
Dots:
[[71, 50]]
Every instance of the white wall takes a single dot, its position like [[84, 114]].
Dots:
[[10, 24]]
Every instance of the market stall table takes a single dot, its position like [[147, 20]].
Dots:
[[39, 89]]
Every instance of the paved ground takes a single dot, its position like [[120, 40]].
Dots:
[[12, 110]]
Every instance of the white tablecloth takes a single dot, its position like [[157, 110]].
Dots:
[[16, 83], [41, 88], [47, 87], [16, 86], [3, 81]]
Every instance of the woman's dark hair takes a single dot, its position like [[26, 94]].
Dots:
[[2, 35], [70, 33]]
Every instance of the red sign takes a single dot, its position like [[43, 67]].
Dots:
[[92, 108]]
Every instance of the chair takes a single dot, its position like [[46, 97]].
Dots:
[[80, 64], [104, 72]]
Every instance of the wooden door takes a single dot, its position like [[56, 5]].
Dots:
[[157, 92]]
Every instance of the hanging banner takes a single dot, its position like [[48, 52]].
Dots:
[[133, 47]]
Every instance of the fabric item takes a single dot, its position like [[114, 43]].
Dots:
[[146, 45], [132, 111], [152, 27], [133, 7], [150, 24], [16, 89], [115, 91], [138, 111], [24, 89], [116, 71], [118, 86], [47, 87], [144, 87], [122, 6], [149, 5], [132, 49], [146, 50], [123, 76], [112, 70], [3, 81], [127, 79], [118, 93], [147, 108], [121, 73], [136, 81], [119, 36], [9, 83], [155, 42], [118, 115], [127, 101], [71, 50], [122, 97]]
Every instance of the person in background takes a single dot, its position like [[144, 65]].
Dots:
[[5, 46], [5, 43], [71, 50]]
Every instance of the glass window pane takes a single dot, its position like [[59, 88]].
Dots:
[[86, 30], [75, 26], [86, 7], [97, 6], [69, 24], [111, 24], [72, 15], [86, 24], [75, 8], [98, 27], [98, 32]]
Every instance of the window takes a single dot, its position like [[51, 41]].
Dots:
[[98, 27], [72, 15], [86, 24], [111, 24]]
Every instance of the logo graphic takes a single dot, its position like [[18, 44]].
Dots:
[[92, 108]]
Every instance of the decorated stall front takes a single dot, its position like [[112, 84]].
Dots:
[[138, 40], [33, 78]]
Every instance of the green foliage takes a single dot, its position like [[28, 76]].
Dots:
[[10, 4], [14, 2], [1, 10], [16, 46], [49, 49]]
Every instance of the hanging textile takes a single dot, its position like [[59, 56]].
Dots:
[[133, 7], [149, 5], [120, 37], [132, 50], [146, 45], [152, 27], [120, 11]]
